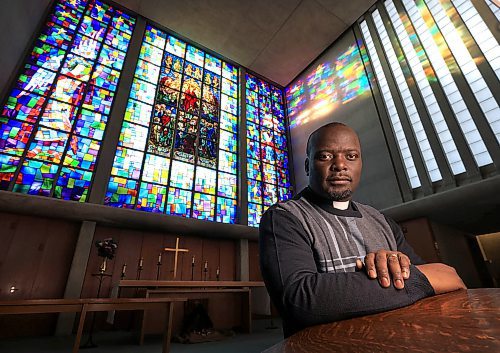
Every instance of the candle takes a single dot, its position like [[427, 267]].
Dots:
[[206, 265], [192, 260], [124, 268], [141, 260], [218, 272], [159, 259]]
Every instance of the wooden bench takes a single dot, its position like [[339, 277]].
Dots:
[[82, 306]]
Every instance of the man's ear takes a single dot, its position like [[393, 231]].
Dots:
[[306, 165]]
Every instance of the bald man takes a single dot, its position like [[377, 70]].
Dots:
[[325, 258]]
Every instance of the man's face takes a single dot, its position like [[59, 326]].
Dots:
[[334, 162]]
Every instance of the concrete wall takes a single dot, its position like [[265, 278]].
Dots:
[[378, 185], [19, 21]]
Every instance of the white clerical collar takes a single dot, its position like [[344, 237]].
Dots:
[[341, 205]]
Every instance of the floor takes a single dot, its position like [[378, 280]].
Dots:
[[260, 339]]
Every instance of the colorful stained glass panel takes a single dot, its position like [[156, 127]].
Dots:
[[82, 153], [179, 202], [155, 37], [147, 71], [182, 175], [138, 112], [14, 136], [73, 184], [175, 46], [90, 124], [226, 210], [226, 185], [254, 214], [48, 145], [8, 166], [35, 178], [194, 55], [151, 53], [127, 163], [205, 180], [121, 192], [151, 198], [203, 206], [58, 115], [133, 136], [98, 100], [230, 72], [156, 169]]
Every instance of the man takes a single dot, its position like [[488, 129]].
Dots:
[[312, 247]]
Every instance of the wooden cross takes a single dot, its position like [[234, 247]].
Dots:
[[177, 250]]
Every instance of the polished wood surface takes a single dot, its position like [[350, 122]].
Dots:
[[184, 284], [461, 321], [83, 306]]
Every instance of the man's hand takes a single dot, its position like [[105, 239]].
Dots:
[[385, 265], [442, 278]]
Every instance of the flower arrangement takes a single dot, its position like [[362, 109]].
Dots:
[[106, 248]]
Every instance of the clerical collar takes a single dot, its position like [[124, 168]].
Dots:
[[341, 205], [328, 205]]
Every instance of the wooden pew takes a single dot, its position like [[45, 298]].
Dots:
[[82, 306]]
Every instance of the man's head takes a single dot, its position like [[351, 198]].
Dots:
[[333, 162]]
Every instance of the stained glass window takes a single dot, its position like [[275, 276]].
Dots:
[[267, 157], [177, 152], [54, 119]]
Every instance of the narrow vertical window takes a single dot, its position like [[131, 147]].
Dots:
[[267, 157], [391, 109]]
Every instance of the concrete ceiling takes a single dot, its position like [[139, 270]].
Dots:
[[274, 38]]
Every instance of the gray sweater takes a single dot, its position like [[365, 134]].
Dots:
[[308, 251]]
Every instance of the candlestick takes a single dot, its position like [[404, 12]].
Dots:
[[205, 270], [102, 269], [206, 265], [217, 273], [159, 259], [141, 261], [192, 262], [124, 268]]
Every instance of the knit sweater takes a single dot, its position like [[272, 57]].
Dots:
[[308, 251]]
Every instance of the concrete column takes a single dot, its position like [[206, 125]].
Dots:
[[242, 270], [76, 276]]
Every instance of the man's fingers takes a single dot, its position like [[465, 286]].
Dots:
[[370, 265], [404, 262], [359, 264], [393, 262], [381, 267]]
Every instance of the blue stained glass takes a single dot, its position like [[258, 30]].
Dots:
[[213, 64], [226, 210], [23, 106], [86, 47], [230, 72], [82, 153], [111, 57], [228, 141], [230, 88], [105, 77], [35, 79], [151, 198], [99, 11], [277, 95], [179, 202], [151, 53], [57, 36], [143, 91], [280, 141], [268, 154], [254, 191], [252, 114], [77, 67], [253, 149], [251, 83], [155, 37], [203, 206], [138, 112], [284, 193], [175, 46], [123, 22], [46, 56], [78, 5], [147, 71], [194, 55], [48, 145], [121, 192], [90, 124], [182, 175], [8, 166], [58, 115], [92, 28], [253, 131], [14, 136], [35, 178], [65, 17], [227, 185], [118, 39], [127, 163], [172, 63], [228, 121], [98, 100], [264, 88], [254, 214], [270, 195], [73, 184], [253, 169]]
